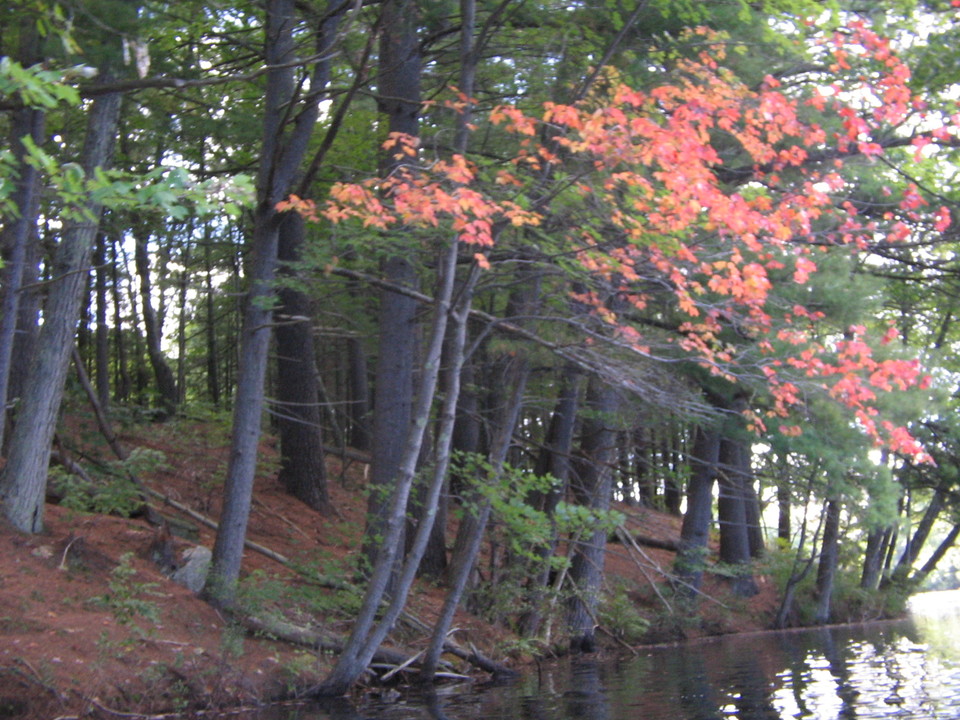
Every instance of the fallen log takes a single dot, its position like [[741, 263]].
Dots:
[[657, 543]]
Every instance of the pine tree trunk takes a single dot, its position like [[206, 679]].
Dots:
[[695, 531], [282, 152], [163, 375], [916, 541], [17, 232], [554, 460], [732, 515], [397, 322], [122, 384], [102, 338], [593, 488], [302, 469], [473, 526], [210, 331], [829, 556], [872, 559], [23, 483], [931, 564]]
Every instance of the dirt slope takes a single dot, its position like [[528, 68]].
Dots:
[[90, 625]]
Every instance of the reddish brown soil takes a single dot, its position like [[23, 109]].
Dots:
[[66, 648]]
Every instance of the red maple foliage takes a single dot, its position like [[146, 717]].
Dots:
[[657, 167]]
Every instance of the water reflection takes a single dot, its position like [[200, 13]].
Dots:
[[879, 671]]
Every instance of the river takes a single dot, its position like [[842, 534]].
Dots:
[[905, 670]]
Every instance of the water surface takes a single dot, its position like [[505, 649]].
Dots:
[[906, 670]]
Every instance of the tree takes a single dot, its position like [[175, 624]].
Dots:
[[282, 152], [23, 483]]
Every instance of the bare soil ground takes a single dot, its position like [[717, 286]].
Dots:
[[90, 627]]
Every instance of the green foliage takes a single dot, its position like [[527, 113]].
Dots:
[[325, 591], [39, 87], [125, 597], [619, 615], [111, 490]]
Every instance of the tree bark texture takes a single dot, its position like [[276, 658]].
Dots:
[[302, 469], [282, 152], [593, 487], [397, 322], [695, 531], [163, 375], [24, 479], [17, 232], [829, 557], [732, 515]]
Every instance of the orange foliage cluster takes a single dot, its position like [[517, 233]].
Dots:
[[651, 163]]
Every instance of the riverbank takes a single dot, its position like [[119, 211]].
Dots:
[[91, 626]]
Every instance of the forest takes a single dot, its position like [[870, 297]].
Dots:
[[529, 261]]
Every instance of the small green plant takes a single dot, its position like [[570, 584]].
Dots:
[[619, 615], [110, 491], [124, 598], [231, 640]]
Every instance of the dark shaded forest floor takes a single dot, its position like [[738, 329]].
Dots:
[[89, 626]]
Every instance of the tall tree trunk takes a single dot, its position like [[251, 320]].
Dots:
[[829, 557], [163, 375], [17, 231], [930, 565], [397, 336], [359, 383], [784, 501], [210, 331], [672, 496], [593, 486], [23, 483], [695, 531], [282, 151], [873, 559], [916, 541], [367, 633], [732, 515], [122, 385], [102, 338], [554, 460], [183, 290], [474, 525], [302, 469]]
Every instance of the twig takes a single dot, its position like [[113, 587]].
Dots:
[[280, 517], [631, 545], [66, 550], [402, 666]]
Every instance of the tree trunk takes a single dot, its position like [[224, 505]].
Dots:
[[183, 289], [930, 565], [829, 556], [102, 338], [23, 483], [916, 541], [282, 152], [166, 383], [784, 502], [302, 469], [593, 487], [872, 559], [671, 484], [732, 514], [695, 531], [367, 634], [554, 460], [210, 332], [470, 539], [17, 231], [397, 336], [359, 383]]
